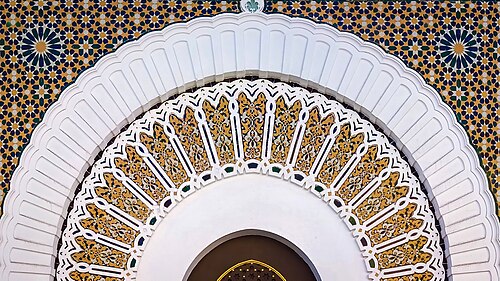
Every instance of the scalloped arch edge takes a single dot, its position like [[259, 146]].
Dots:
[[143, 72]]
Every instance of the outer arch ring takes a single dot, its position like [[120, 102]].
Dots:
[[52, 164]]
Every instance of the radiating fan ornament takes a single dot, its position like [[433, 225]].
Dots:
[[241, 127]]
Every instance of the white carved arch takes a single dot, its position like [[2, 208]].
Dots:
[[126, 83], [216, 134], [271, 217]]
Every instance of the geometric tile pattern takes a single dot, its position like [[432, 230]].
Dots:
[[454, 46], [45, 45]]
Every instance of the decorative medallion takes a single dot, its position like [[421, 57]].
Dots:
[[252, 6], [41, 46], [241, 127], [251, 270], [459, 48]]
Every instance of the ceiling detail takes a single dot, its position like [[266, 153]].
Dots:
[[242, 127]]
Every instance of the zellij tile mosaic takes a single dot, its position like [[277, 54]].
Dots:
[[45, 45]]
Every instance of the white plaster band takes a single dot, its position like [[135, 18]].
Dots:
[[141, 73]]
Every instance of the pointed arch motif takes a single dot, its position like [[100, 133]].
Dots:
[[251, 265], [141, 73]]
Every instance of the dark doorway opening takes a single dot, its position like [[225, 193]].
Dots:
[[252, 257]]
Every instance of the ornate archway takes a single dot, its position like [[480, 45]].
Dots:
[[127, 83], [250, 127]]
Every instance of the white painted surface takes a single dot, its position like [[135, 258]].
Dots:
[[139, 74], [255, 202]]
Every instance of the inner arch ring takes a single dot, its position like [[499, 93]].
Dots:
[[241, 127]]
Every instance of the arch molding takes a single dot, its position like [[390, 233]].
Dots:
[[140, 74]]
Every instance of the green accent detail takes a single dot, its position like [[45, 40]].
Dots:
[[318, 188], [153, 221], [186, 188], [132, 263], [252, 6], [229, 169], [352, 221], [372, 263], [276, 169]]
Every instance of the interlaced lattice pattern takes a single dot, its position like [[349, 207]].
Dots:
[[242, 127]]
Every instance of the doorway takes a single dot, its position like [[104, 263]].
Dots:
[[252, 257]]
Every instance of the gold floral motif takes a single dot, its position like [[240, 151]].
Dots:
[[385, 194], [253, 270], [317, 130], [343, 149], [162, 151], [103, 223], [189, 134], [426, 276], [83, 276], [252, 115], [366, 170], [219, 123], [397, 224], [115, 193], [285, 122], [410, 253], [139, 172], [96, 253]]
